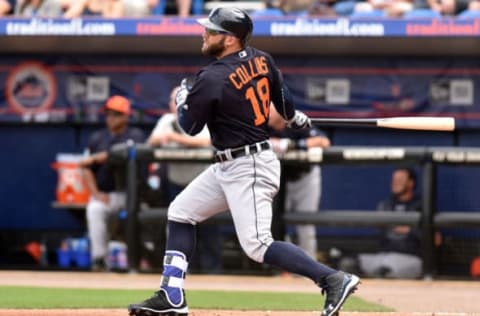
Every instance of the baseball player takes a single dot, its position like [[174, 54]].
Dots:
[[232, 96]]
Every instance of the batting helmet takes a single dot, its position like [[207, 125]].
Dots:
[[230, 20]]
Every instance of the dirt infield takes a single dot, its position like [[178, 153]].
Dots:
[[408, 298], [119, 312]]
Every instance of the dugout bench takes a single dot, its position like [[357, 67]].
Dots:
[[427, 157]]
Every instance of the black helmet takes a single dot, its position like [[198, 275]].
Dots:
[[231, 20]]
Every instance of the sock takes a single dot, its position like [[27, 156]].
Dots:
[[181, 237], [293, 259]]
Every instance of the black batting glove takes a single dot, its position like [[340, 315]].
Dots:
[[299, 120]]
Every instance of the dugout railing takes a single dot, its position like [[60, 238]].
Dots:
[[427, 158]]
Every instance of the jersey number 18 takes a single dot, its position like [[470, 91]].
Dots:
[[261, 92]]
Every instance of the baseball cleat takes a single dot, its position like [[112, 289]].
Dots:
[[158, 305], [338, 287]]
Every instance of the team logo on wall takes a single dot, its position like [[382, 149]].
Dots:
[[452, 92], [315, 90], [88, 88], [338, 91], [329, 91], [31, 88], [461, 92]]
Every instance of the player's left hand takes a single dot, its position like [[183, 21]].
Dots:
[[299, 120], [181, 97]]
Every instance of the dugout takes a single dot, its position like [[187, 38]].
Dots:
[[153, 63]]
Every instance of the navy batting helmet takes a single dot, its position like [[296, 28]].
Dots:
[[230, 20]]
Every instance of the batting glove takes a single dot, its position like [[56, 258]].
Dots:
[[299, 120]]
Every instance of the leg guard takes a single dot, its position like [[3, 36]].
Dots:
[[174, 268]]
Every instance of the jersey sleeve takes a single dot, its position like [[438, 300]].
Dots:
[[194, 115], [93, 146], [281, 97], [162, 125], [93, 142]]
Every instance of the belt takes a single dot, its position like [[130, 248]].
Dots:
[[232, 153]]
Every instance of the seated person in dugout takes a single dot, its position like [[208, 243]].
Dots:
[[399, 256], [105, 181]]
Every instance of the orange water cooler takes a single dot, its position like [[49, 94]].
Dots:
[[71, 187]]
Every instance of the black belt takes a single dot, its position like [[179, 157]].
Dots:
[[230, 154]]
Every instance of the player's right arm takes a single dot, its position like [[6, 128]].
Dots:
[[91, 183], [283, 102], [281, 97], [90, 165], [95, 156]]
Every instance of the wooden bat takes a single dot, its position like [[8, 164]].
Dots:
[[406, 122]]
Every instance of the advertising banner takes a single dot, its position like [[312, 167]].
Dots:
[[288, 26]]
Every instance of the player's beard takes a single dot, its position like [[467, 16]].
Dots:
[[214, 49]]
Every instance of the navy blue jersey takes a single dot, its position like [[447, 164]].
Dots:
[[106, 175], [393, 241], [232, 96]]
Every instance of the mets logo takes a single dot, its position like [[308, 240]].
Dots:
[[31, 88]]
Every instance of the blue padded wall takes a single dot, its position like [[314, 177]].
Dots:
[[28, 185], [458, 185], [361, 187]]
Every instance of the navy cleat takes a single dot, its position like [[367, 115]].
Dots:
[[338, 287], [157, 305]]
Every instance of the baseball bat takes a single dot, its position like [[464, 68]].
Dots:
[[415, 122]]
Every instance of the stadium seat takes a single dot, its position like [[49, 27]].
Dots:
[[469, 14], [247, 5], [160, 9], [344, 7], [421, 13], [368, 14], [268, 12], [274, 12], [197, 7]]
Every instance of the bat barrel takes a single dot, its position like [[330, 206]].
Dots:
[[411, 123], [419, 123]]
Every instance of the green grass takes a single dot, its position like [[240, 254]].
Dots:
[[16, 297]]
